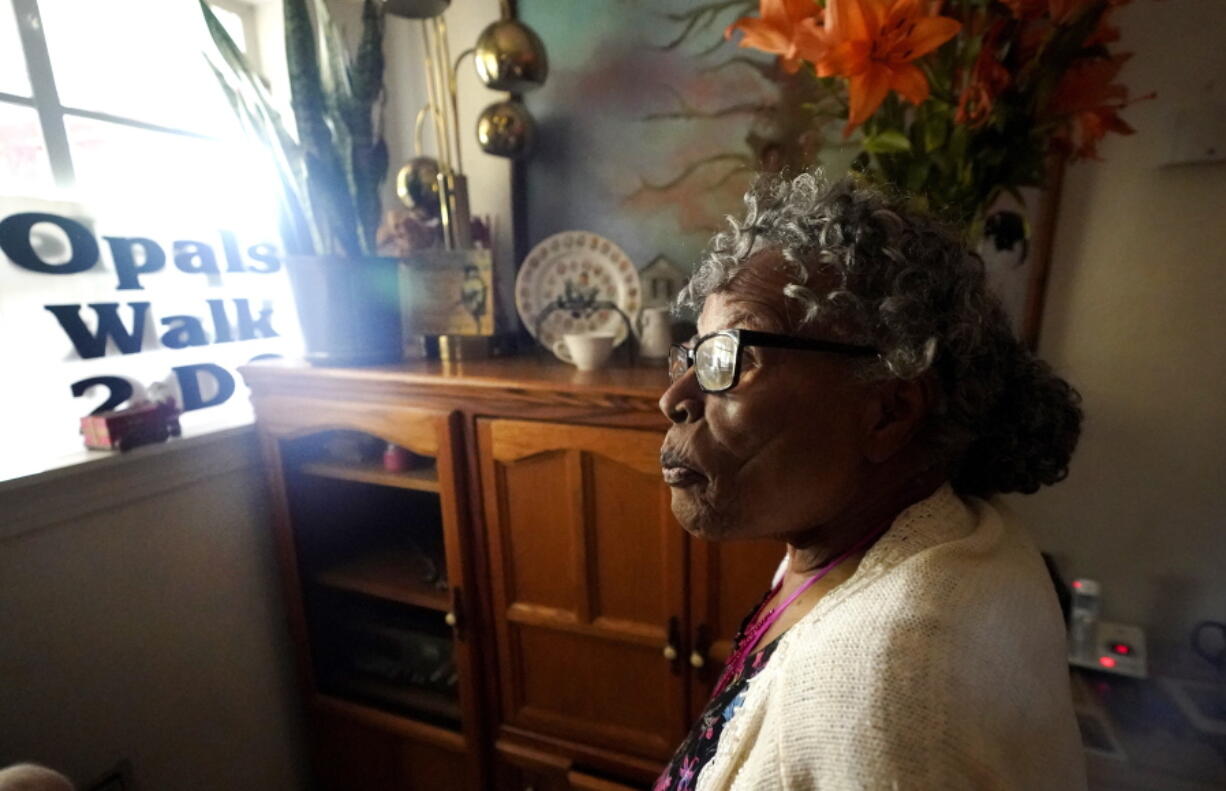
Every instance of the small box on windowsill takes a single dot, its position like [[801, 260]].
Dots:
[[124, 429]]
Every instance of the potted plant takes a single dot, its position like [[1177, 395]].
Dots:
[[957, 102], [329, 171]]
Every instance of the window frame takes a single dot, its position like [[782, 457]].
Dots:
[[44, 96]]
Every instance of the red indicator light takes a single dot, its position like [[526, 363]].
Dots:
[[1106, 661], [1076, 583], [1122, 648]]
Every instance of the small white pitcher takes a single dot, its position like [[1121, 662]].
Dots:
[[655, 333]]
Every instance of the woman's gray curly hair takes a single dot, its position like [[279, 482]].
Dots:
[[906, 284]]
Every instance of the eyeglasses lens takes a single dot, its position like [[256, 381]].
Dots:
[[678, 362], [715, 360]]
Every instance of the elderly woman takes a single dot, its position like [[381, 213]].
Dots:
[[855, 392]]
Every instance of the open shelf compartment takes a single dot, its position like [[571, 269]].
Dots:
[[399, 575], [371, 555]]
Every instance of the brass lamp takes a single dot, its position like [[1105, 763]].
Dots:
[[506, 129], [416, 9], [511, 57], [508, 56]]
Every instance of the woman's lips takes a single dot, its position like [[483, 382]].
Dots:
[[677, 470], [682, 477]]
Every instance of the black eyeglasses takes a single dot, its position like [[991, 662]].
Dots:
[[716, 357]]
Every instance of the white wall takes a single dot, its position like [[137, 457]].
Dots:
[[152, 629], [1135, 318]]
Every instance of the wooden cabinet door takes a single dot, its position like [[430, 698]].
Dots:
[[727, 579], [588, 589], [427, 432]]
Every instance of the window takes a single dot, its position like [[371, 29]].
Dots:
[[111, 119], [13, 78]]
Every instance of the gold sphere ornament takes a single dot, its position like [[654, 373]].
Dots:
[[506, 129], [416, 9], [511, 57], [417, 185]]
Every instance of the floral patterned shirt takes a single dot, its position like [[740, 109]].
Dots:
[[699, 747]]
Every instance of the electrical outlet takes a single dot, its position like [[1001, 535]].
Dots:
[[1116, 648]]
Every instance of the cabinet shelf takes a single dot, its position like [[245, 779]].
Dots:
[[392, 574], [422, 479], [411, 700]]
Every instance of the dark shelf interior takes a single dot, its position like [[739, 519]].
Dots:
[[370, 552]]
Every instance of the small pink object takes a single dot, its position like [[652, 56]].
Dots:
[[395, 458]]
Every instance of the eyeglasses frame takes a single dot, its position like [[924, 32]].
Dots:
[[770, 340]]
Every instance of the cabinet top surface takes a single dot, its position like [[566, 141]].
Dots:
[[521, 373]]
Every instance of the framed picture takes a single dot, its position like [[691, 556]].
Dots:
[[448, 292]]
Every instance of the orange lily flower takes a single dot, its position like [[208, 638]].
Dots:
[[1091, 101], [987, 80], [774, 29], [873, 44]]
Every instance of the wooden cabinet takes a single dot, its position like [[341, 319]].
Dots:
[[530, 555]]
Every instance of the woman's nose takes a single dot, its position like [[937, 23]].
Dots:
[[682, 402]]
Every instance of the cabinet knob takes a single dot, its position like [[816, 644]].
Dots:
[[674, 637], [455, 616], [697, 660]]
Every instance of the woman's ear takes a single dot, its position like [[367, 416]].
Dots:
[[896, 412]]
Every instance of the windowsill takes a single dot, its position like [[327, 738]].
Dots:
[[18, 474], [80, 484]]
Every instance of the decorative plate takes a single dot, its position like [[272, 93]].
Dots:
[[588, 265]]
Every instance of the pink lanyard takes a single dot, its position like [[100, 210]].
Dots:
[[754, 632]]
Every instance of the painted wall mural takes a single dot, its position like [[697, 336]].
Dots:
[[651, 123]]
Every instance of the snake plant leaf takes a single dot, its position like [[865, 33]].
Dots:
[[352, 90], [333, 57], [370, 168], [294, 227], [259, 119], [331, 173], [327, 185], [337, 96], [368, 65], [370, 158]]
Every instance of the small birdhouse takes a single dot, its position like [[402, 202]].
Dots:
[[662, 280]]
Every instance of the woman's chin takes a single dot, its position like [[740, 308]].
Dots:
[[700, 518]]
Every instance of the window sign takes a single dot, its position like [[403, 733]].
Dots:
[[95, 309], [137, 253]]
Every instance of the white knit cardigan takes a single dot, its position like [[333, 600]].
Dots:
[[940, 664]]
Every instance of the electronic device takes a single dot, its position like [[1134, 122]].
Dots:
[[1103, 645]]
